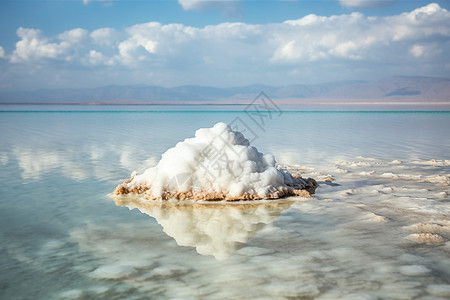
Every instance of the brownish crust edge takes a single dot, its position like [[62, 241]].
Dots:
[[281, 192]]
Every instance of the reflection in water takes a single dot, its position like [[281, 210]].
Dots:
[[75, 163], [212, 228]]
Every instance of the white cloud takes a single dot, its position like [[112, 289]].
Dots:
[[74, 36], [365, 3], [33, 46], [2, 52], [144, 36], [417, 50], [229, 7], [154, 41], [204, 4], [105, 2], [200, 4], [355, 36], [104, 36], [430, 9], [425, 51], [230, 53], [95, 57]]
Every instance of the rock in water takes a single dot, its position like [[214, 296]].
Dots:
[[217, 164]]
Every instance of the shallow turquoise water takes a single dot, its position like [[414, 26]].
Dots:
[[59, 227]]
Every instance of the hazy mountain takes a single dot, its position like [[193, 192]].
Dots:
[[417, 87], [389, 89]]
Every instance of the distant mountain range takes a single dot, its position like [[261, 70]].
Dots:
[[399, 88]]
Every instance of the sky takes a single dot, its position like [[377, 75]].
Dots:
[[92, 43]]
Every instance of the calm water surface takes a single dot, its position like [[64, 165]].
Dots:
[[63, 237]]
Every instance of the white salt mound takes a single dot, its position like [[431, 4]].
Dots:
[[217, 164]]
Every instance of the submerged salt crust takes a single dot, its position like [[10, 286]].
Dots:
[[217, 164]]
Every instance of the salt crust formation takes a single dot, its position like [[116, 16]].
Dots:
[[217, 164], [431, 232]]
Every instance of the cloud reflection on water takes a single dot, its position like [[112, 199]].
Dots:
[[92, 161]]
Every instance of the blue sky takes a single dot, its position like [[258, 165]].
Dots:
[[76, 43]]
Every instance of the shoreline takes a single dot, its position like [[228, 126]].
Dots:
[[323, 106]]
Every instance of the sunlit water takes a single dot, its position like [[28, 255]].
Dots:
[[380, 230]]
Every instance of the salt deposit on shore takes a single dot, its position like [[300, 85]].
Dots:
[[217, 164]]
